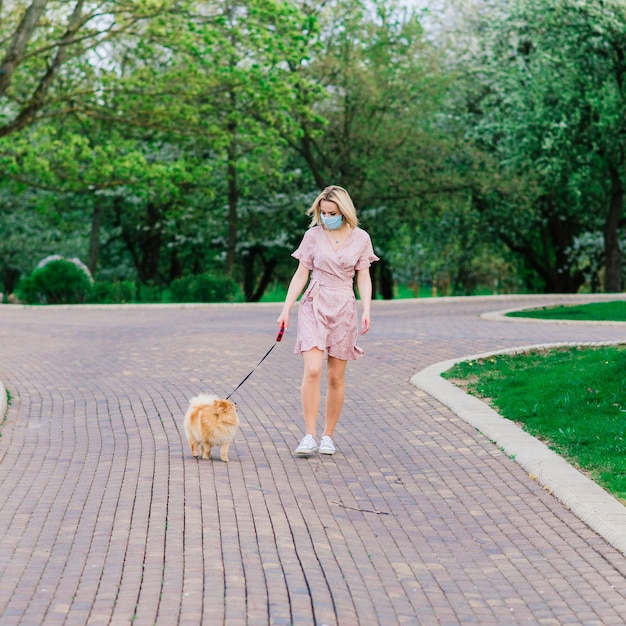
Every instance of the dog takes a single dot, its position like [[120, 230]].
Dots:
[[210, 421]]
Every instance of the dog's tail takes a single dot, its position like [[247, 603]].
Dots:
[[203, 398]]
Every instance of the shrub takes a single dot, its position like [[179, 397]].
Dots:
[[150, 293], [204, 288], [119, 292], [57, 282]]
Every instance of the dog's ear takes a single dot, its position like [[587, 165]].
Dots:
[[229, 417], [221, 406], [226, 411]]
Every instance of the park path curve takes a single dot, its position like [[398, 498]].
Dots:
[[105, 518]]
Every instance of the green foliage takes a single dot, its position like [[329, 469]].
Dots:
[[57, 282], [119, 292], [449, 252], [204, 288], [170, 138], [545, 97], [573, 399]]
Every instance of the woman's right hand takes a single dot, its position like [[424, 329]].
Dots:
[[283, 319]]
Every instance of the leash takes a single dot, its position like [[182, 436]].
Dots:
[[279, 337]]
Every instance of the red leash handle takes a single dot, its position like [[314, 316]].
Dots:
[[281, 332]]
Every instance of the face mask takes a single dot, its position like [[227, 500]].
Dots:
[[332, 223]]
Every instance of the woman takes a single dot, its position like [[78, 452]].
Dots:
[[332, 250]]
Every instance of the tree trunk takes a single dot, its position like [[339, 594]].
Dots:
[[21, 37], [563, 282], [612, 252], [385, 280], [94, 238], [549, 261], [150, 245], [265, 280], [232, 214], [10, 276], [36, 102], [306, 150], [176, 269], [143, 244], [233, 192], [253, 288]]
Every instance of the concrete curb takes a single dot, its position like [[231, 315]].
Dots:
[[3, 401], [558, 299], [146, 306], [501, 316], [588, 501]]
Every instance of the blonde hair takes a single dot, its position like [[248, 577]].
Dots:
[[341, 198]]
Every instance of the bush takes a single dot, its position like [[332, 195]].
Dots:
[[119, 292], [204, 288], [57, 282], [151, 293]]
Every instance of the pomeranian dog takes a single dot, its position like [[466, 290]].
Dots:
[[210, 421]]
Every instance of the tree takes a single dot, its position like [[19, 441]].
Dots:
[[52, 69], [51, 53], [373, 126], [601, 47], [217, 82], [545, 100]]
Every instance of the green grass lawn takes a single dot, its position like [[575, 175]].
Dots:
[[573, 399], [614, 311]]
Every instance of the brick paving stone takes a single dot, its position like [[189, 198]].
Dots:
[[105, 518]]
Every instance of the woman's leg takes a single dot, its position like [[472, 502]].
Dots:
[[335, 373], [310, 390]]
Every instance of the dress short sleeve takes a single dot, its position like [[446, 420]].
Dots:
[[367, 256], [306, 251]]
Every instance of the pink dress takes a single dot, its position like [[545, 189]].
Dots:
[[327, 314]]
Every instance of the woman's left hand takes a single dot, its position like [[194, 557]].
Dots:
[[365, 323]]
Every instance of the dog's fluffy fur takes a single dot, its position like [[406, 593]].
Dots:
[[210, 421]]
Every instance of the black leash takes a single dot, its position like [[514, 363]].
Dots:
[[279, 337]]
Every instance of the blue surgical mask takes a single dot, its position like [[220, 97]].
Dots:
[[332, 223]]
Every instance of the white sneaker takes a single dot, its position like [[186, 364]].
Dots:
[[327, 446], [307, 446]]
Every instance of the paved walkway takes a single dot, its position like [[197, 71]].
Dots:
[[105, 518]]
